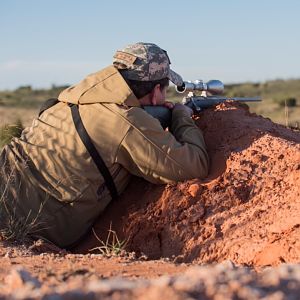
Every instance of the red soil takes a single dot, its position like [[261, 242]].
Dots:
[[247, 210]]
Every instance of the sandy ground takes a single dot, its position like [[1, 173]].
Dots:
[[244, 217]]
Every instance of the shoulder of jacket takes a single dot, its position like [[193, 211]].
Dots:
[[136, 116]]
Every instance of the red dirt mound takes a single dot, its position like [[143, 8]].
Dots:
[[247, 210]]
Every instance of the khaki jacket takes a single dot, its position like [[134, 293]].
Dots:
[[57, 170]]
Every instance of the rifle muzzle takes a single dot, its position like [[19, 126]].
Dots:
[[215, 87]]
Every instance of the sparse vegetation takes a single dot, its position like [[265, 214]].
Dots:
[[290, 102], [7, 132], [12, 226], [27, 97], [274, 94], [16, 228], [112, 244]]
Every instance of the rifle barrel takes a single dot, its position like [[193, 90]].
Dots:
[[205, 102]]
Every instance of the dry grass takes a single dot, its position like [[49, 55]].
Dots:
[[9, 115], [112, 246], [14, 227], [7, 132]]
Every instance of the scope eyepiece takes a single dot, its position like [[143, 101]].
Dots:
[[214, 87]]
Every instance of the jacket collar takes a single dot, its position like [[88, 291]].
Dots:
[[105, 86]]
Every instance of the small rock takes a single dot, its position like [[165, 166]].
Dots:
[[196, 213], [19, 277], [194, 189]]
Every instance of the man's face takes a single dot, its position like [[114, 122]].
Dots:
[[160, 95]]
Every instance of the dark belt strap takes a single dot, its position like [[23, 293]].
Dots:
[[85, 138]]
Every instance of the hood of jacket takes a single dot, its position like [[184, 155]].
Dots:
[[105, 86]]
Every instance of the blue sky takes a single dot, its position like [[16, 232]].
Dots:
[[60, 42]]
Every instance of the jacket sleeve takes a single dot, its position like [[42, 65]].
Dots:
[[161, 156]]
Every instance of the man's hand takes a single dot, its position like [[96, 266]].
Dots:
[[169, 105], [179, 106]]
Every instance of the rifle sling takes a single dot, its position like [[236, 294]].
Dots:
[[86, 140]]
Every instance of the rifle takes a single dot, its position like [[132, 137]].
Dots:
[[209, 97]]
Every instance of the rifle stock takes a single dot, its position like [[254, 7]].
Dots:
[[197, 103], [162, 113]]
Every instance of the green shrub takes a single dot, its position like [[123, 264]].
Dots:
[[290, 102], [7, 132]]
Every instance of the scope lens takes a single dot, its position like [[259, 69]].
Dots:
[[181, 88]]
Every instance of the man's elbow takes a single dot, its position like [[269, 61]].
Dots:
[[202, 169], [205, 169]]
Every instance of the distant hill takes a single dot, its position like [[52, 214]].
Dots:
[[281, 98], [26, 96]]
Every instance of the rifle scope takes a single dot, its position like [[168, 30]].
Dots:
[[215, 87]]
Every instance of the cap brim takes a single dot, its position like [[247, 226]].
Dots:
[[175, 78]]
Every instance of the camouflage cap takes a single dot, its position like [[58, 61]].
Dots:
[[145, 62]]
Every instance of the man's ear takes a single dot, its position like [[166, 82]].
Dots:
[[154, 95]]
